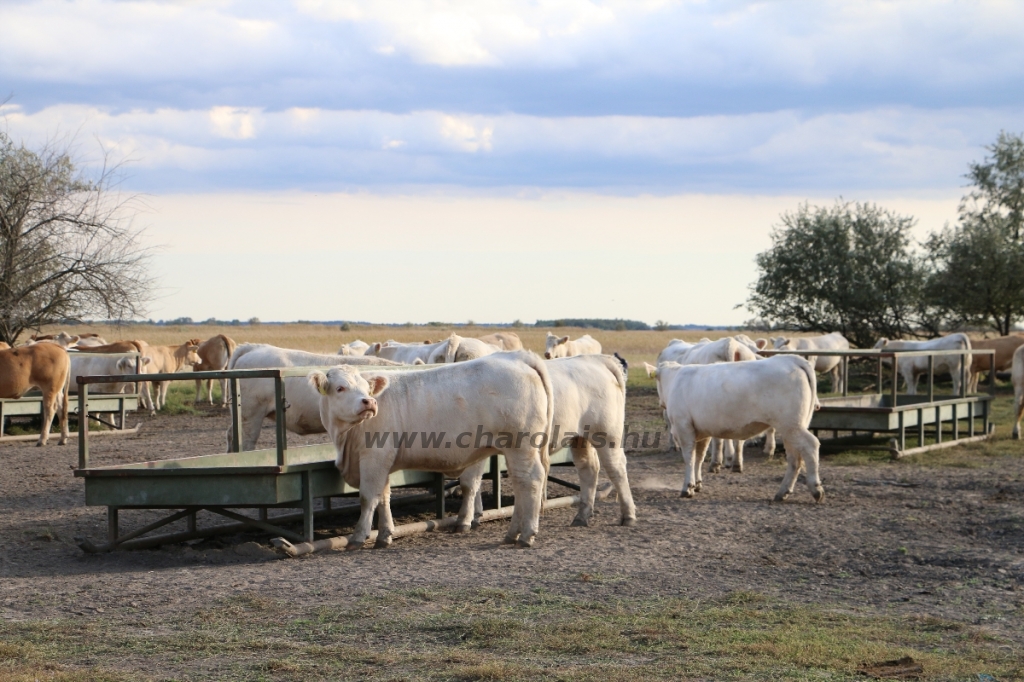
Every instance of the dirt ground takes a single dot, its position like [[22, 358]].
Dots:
[[940, 541]]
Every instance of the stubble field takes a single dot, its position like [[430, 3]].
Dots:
[[922, 558]]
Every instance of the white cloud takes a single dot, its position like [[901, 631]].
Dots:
[[912, 149]]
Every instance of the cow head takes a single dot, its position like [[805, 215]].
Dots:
[[781, 343], [127, 365], [191, 356], [882, 343], [347, 397], [555, 346], [373, 349]]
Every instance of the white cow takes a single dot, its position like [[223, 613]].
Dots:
[[1017, 374], [461, 349], [90, 340], [357, 347], [87, 364], [499, 403], [910, 368], [823, 364], [590, 410], [563, 347], [504, 340], [257, 395], [740, 400], [409, 353]]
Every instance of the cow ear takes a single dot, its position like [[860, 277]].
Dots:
[[319, 381], [736, 356], [651, 370], [146, 360], [761, 343], [375, 348], [418, 361], [378, 382], [563, 339]]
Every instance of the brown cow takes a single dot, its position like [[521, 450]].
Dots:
[[45, 366], [167, 359], [214, 354], [504, 340], [1004, 346], [4, 345]]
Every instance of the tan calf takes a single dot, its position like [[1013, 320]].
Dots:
[[44, 366], [504, 340], [167, 359], [214, 354], [1004, 346]]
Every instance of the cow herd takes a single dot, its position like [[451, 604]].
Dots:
[[476, 397]]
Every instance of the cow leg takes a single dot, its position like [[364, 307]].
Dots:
[[687, 441], [805, 446], [955, 371], [372, 484], [147, 398], [837, 380], [587, 466], [527, 472], [251, 427], [793, 466], [614, 462], [469, 482], [737, 458], [199, 391], [1018, 410], [385, 522], [769, 443], [911, 379], [698, 469], [49, 408], [64, 400], [717, 456], [223, 393]]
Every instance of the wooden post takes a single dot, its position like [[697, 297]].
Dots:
[[192, 521]]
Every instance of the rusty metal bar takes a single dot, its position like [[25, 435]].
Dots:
[[895, 378], [496, 480], [236, 415], [931, 378]]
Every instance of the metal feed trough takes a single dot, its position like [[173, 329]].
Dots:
[[275, 478], [889, 412], [115, 404]]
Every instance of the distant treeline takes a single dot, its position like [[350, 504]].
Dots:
[[595, 323]]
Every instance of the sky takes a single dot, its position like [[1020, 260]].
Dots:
[[440, 160]]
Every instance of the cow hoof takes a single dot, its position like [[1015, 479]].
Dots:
[[524, 544], [781, 497], [462, 529], [819, 494], [631, 521], [475, 524], [580, 522], [715, 468], [509, 539], [687, 492], [1016, 433], [382, 543], [737, 469], [698, 486]]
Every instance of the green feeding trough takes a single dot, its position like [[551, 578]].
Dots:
[[223, 484], [943, 419]]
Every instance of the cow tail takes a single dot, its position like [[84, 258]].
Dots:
[[615, 367], [230, 345], [452, 349], [812, 380], [534, 361]]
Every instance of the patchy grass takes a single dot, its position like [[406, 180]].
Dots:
[[491, 634]]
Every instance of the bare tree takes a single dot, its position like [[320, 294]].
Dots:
[[68, 245]]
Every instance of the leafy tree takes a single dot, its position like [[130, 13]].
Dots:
[[68, 248], [848, 268], [978, 278], [978, 266], [998, 194]]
